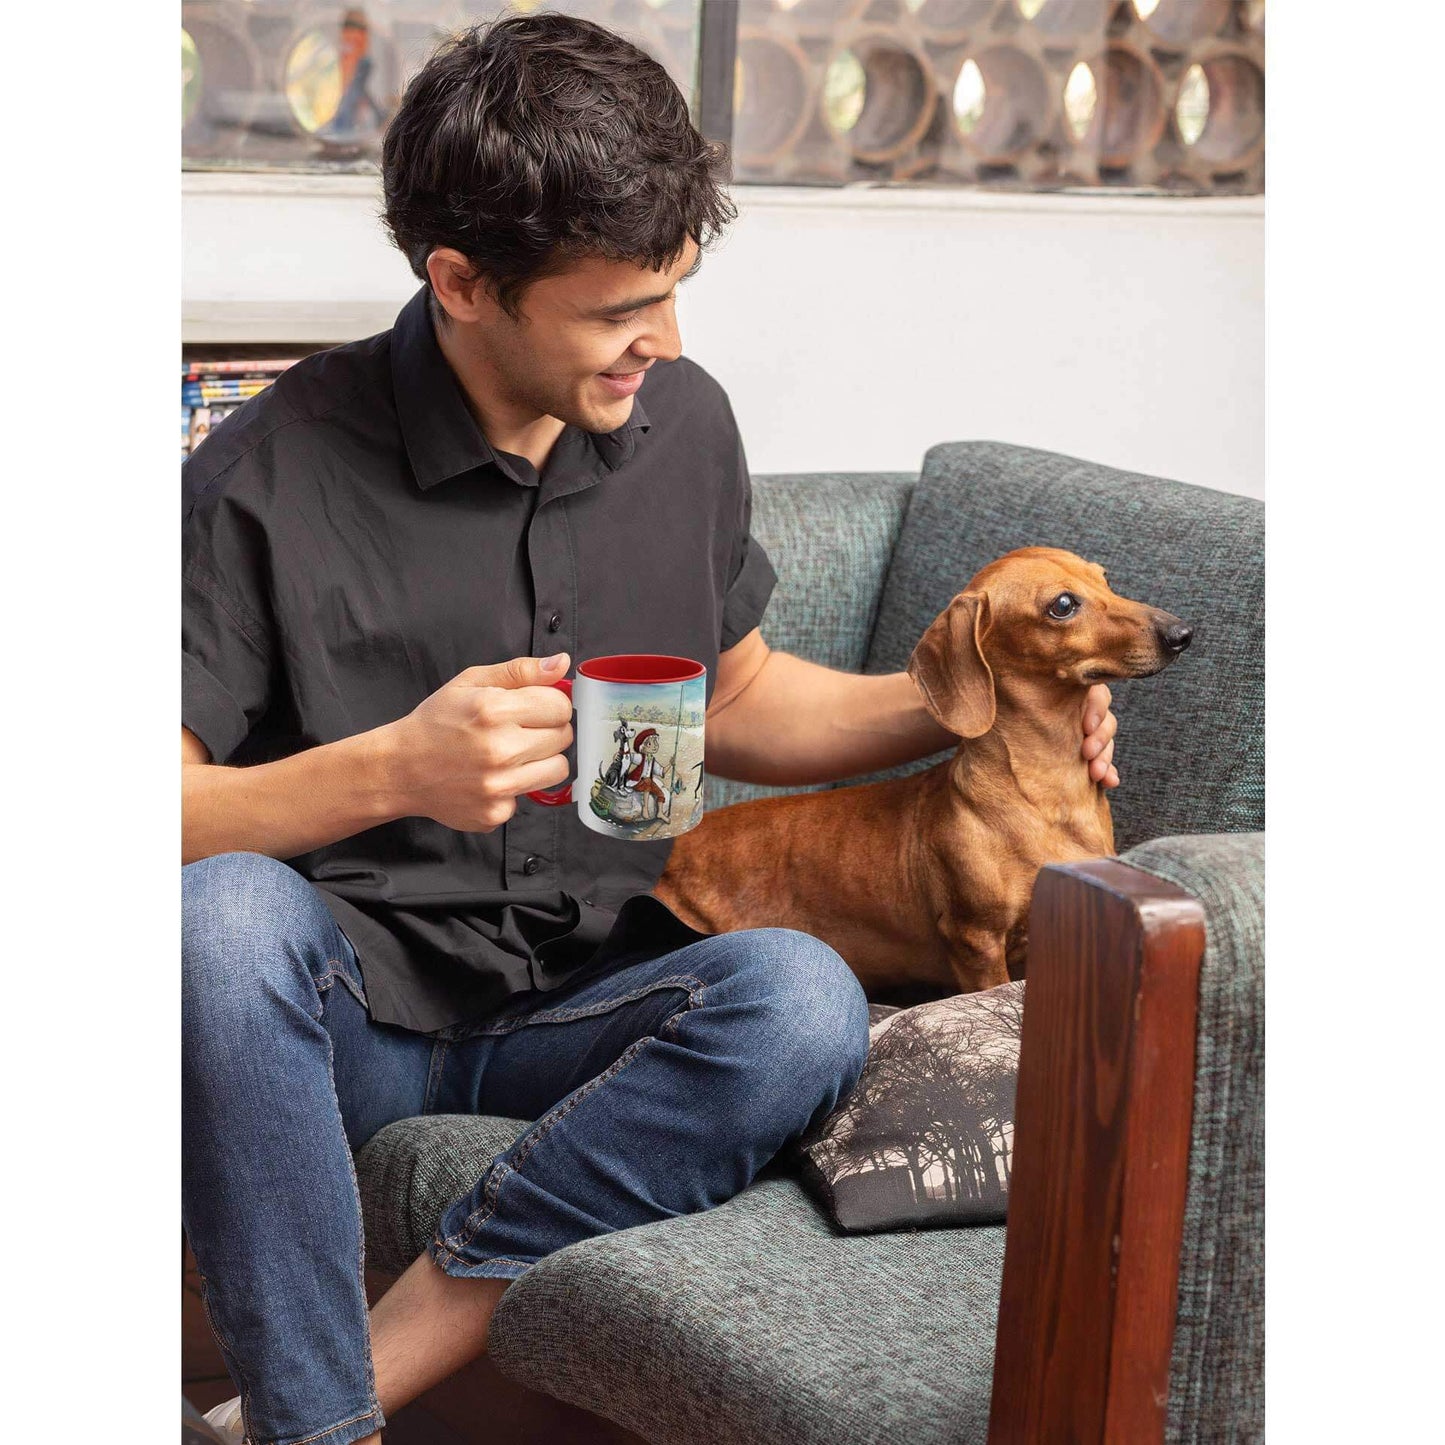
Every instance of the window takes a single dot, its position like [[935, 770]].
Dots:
[[296, 85], [1032, 94]]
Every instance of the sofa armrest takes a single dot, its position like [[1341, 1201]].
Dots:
[[1132, 1297], [1216, 1374], [1101, 1148], [1096, 1200]]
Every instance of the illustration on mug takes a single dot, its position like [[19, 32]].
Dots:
[[649, 775]]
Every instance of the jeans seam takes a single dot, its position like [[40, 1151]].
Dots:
[[434, 1075], [331, 1429], [227, 1352], [339, 1425], [323, 982], [442, 1250], [499, 1172], [335, 970], [689, 981], [375, 1404]]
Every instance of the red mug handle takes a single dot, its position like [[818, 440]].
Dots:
[[564, 793]]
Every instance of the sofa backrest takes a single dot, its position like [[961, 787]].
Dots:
[[1191, 740], [830, 537]]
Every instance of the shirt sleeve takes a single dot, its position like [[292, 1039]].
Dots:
[[751, 577], [225, 665]]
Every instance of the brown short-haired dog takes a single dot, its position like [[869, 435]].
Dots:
[[923, 883]]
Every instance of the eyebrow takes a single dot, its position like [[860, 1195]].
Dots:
[[636, 305]]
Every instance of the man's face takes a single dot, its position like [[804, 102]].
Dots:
[[583, 338]]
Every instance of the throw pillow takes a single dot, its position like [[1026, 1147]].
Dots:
[[927, 1135]]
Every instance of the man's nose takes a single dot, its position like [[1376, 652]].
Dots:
[[662, 339]]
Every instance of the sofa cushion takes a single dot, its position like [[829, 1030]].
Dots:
[[926, 1136], [756, 1321], [830, 539], [753, 1321], [1191, 740]]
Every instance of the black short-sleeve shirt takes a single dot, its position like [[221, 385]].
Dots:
[[351, 542]]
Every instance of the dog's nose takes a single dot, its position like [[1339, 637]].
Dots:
[[1176, 636]]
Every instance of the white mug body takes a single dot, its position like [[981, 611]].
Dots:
[[639, 748]]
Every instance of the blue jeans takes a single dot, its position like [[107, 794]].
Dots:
[[659, 1086]]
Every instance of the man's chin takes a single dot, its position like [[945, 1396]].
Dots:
[[609, 415]]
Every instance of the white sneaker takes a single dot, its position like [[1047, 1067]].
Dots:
[[227, 1420]]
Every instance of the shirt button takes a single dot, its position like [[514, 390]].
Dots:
[[554, 622], [532, 864]]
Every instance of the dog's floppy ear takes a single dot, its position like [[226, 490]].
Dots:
[[949, 669]]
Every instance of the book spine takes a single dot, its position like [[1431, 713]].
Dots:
[[236, 368], [195, 395], [215, 378]]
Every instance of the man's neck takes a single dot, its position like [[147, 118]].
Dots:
[[507, 427]]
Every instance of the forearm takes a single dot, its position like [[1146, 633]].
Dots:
[[290, 806], [798, 722]]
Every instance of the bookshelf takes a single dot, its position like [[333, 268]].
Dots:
[[218, 377]]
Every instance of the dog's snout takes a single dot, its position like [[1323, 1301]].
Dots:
[[1175, 635]]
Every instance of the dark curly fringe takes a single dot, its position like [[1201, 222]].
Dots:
[[539, 139]]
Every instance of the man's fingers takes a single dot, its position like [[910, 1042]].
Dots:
[[542, 707], [528, 707], [519, 691], [1101, 737], [541, 743], [1112, 781], [515, 672], [1096, 705], [1100, 767]]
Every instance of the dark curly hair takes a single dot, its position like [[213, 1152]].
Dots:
[[536, 140]]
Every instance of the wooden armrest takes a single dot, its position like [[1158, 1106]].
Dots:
[[1101, 1158]]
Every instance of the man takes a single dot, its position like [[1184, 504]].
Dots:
[[377, 550]]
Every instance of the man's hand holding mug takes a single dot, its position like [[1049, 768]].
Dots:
[[466, 754]]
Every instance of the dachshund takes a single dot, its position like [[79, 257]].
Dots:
[[922, 883]]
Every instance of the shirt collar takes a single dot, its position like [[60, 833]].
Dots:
[[442, 438]]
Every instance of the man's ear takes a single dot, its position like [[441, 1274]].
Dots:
[[948, 666], [460, 292]]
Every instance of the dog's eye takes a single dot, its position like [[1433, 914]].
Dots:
[[1064, 605]]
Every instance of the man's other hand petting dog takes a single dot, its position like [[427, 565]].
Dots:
[[923, 883]]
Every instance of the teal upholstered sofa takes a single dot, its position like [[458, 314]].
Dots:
[[1125, 1297]]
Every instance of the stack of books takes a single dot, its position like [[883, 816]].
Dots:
[[212, 390]]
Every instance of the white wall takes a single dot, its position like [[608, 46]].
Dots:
[[854, 328]]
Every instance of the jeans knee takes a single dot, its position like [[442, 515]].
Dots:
[[815, 1039], [246, 922]]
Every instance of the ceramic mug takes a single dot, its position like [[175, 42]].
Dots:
[[638, 724]]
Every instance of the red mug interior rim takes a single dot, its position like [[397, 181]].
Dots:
[[641, 667]]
